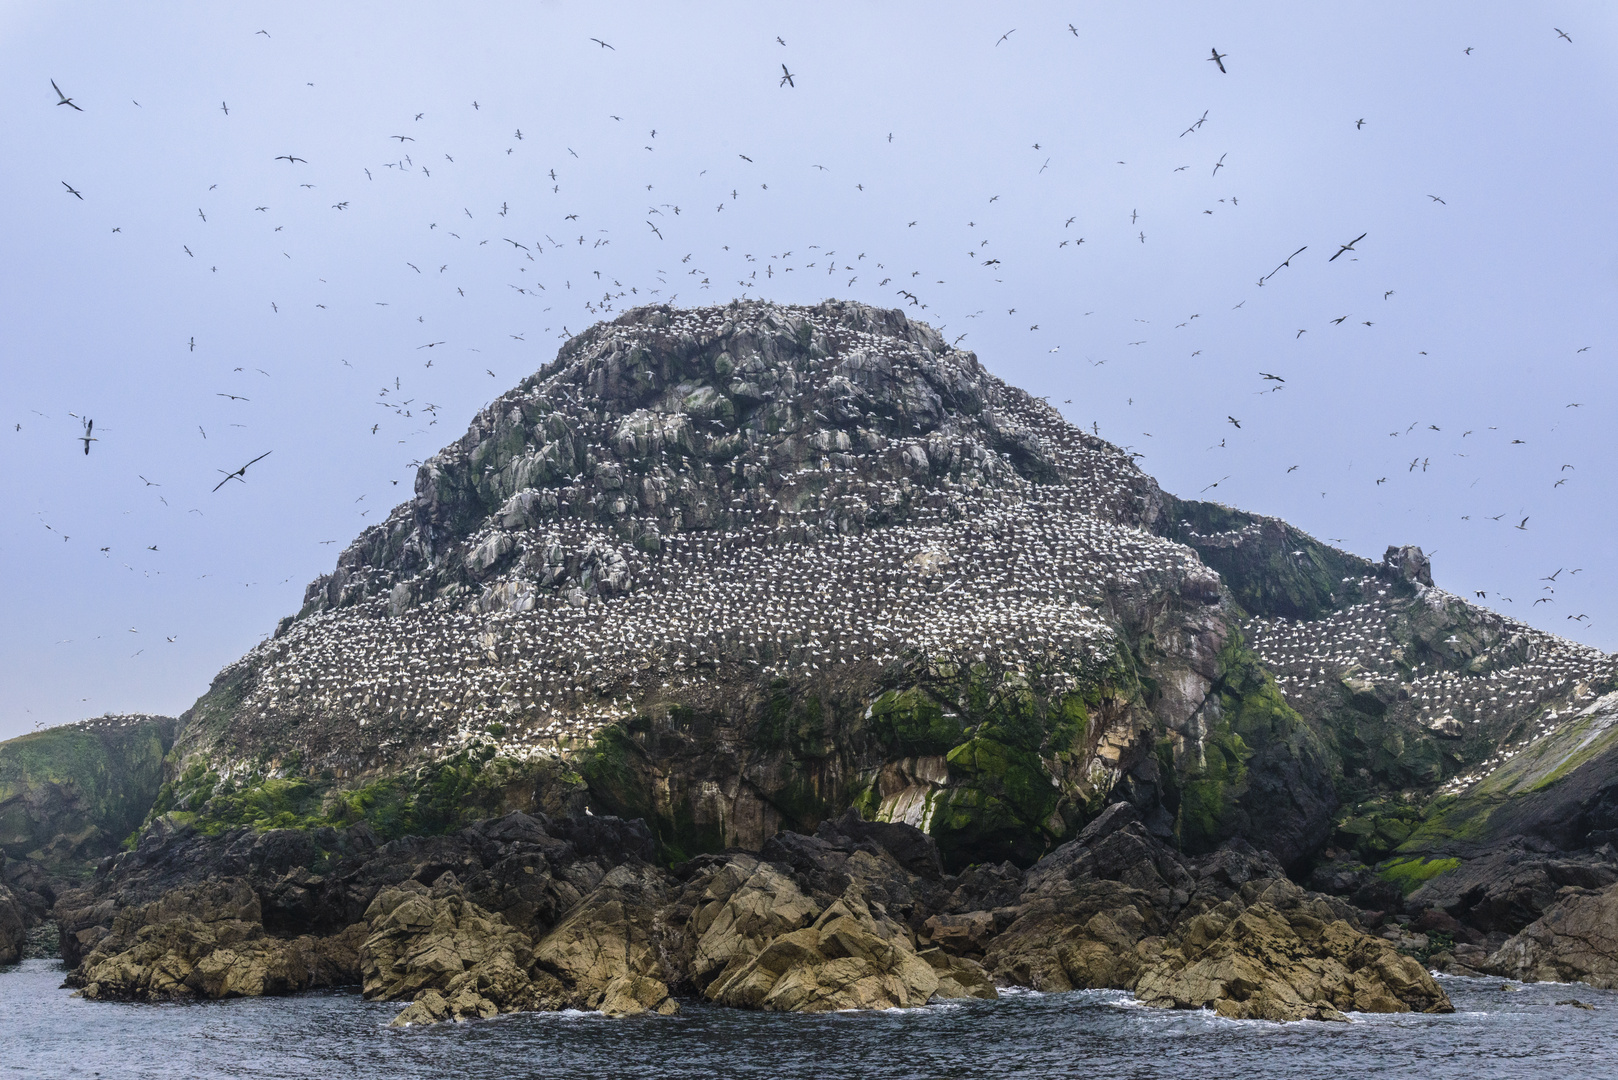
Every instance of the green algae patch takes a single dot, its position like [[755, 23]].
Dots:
[[1373, 830], [1410, 874], [997, 805]]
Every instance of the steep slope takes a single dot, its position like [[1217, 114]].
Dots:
[[740, 568]]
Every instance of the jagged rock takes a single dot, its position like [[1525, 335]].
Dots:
[[739, 908], [604, 951], [848, 958], [1575, 941], [1087, 936], [449, 957], [910, 847]]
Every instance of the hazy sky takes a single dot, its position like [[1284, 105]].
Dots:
[[958, 152]]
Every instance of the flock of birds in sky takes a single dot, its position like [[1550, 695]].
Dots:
[[600, 295]]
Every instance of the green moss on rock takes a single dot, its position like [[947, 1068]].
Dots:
[[1411, 873], [914, 724], [1252, 733]]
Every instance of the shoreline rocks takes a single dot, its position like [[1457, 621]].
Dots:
[[520, 913]]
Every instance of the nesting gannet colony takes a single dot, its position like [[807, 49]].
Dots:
[[741, 567]]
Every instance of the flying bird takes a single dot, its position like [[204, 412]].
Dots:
[[1348, 246], [1005, 35], [70, 190], [86, 438], [786, 78], [1234, 421], [1559, 33], [241, 473], [603, 44], [288, 158], [1219, 58], [65, 99]]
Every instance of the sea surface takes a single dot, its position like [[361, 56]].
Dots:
[[46, 1033]]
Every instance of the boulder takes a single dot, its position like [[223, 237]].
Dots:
[[1575, 941], [1087, 937]]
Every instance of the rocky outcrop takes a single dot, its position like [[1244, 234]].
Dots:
[[1575, 941], [1252, 960], [209, 941], [761, 943], [448, 957], [606, 952], [913, 687], [1230, 932], [521, 913], [735, 571]]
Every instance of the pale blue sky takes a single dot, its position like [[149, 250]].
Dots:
[[1490, 294]]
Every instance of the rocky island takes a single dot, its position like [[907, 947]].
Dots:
[[784, 658]]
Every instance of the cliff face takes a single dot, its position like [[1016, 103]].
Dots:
[[72, 794], [737, 569]]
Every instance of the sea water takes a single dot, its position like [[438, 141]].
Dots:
[[1494, 1032]]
